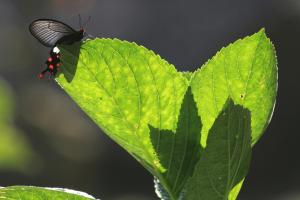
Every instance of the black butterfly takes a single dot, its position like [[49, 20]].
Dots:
[[52, 32]]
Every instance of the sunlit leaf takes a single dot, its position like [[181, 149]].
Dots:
[[37, 193], [123, 88]]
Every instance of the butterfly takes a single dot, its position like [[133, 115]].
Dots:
[[51, 33]]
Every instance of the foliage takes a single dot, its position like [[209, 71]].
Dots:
[[164, 118], [15, 152]]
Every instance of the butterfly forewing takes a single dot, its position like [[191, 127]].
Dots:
[[49, 31]]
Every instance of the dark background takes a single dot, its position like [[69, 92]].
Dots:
[[70, 149]]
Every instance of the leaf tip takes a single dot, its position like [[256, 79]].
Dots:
[[262, 30], [262, 33]]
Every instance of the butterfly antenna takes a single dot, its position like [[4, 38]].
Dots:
[[79, 17], [87, 21]]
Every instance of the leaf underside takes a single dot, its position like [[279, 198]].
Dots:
[[136, 97]]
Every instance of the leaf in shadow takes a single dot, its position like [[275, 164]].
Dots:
[[179, 152], [69, 64], [225, 161]]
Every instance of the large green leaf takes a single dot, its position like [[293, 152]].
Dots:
[[126, 89], [225, 160], [123, 88], [32, 193]]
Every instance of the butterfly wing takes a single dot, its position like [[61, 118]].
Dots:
[[49, 31]]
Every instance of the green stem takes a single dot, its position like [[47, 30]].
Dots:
[[161, 182]]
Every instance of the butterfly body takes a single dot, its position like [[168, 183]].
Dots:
[[70, 39], [53, 63]]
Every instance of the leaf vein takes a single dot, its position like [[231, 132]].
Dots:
[[251, 68]]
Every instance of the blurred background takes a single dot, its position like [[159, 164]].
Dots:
[[46, 140]]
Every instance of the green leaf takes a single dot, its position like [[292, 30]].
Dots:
[[126, 89], [235, 191], [245, 71], [179, 151], [225, 160], [123, 88], [37, 193], [15, 151]]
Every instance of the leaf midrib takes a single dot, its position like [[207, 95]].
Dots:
[[251, 68]]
